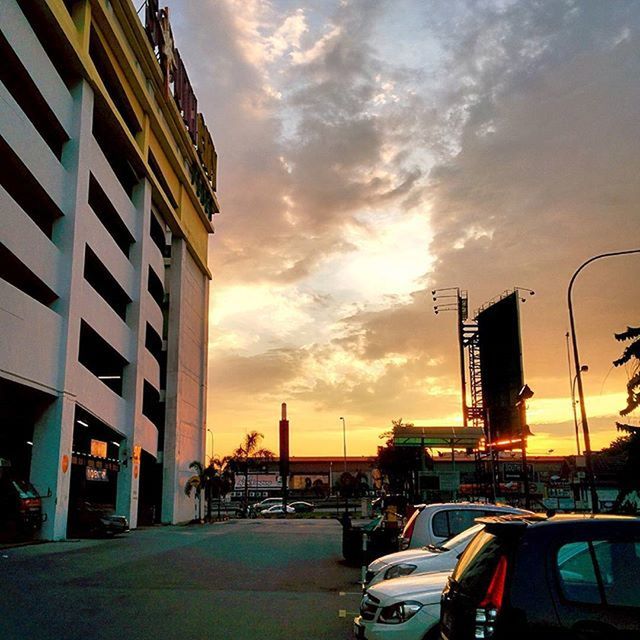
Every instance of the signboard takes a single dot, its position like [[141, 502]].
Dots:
[[158, 30], [449, 480], [308, 481], [501, 368], [258, 481], [559, 490], [96, 475], [98, 448]]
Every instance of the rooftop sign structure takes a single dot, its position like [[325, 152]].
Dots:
[[438, 437], [177, 82]]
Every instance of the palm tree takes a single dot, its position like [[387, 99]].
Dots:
[[221, 481], [248, 452]]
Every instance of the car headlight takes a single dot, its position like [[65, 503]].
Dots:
[[399, 612], [398, 570]]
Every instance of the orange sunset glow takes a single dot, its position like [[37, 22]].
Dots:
[[373, 151]]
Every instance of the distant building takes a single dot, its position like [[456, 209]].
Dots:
[[107, 192]]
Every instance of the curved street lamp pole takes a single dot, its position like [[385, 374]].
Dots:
[[576, 362]]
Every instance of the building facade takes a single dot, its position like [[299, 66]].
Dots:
[[107, 191]]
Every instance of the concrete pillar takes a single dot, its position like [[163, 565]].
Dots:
[[53, 433], [171, 452], [51, 465], [133, 382]]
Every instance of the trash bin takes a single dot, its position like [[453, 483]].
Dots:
[[352, 545]]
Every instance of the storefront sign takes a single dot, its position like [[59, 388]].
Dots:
[[96, 475], [98, 448], [259, 481]]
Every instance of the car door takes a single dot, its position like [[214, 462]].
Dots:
[[598, 588]]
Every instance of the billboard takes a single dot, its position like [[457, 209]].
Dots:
[[501, 368]]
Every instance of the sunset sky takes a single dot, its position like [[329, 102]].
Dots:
[[370, 151]]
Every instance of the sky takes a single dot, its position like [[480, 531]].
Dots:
[[371, 151]]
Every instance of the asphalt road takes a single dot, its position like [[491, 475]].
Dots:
[[246, 579]]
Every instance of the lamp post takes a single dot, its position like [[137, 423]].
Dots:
[[523, 395], [584, 368], [211, 456], [344, 442], [578, 370]]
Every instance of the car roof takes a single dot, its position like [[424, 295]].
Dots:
[[497, 524], [466, 505]]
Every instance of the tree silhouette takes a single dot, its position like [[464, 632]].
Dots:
[[248, 453], [400, 464], [628, 446], [214, 481]]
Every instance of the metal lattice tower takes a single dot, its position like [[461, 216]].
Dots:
[[471, 342]]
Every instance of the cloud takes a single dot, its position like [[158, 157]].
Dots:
[[509, 129]]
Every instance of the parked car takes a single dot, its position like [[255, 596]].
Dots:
[[402, 609], [91, 519], [434, 523], [275, 510], [301, 506], [20, 507], [265, 504], [427, 559], [566, 577]]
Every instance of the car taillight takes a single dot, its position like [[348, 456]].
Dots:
[[408, 530], [490, 605]]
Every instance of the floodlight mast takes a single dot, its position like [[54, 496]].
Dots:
[[459, 304]]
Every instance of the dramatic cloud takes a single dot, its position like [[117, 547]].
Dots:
[[372, 151]]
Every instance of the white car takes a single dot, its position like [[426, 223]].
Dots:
[[433, 557], [432, 524], [276, 509], [430, 559], [402, 609], [266, 503]]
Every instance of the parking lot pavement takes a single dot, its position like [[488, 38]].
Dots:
[[248, 579]]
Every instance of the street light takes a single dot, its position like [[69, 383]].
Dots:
[[583, 369], [523, 395], [344, 442], [344, 488], [578, 370]]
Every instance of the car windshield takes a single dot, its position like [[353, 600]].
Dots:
[[25, 489], [462, 538]]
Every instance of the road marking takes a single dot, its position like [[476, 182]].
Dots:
[[350, 593]]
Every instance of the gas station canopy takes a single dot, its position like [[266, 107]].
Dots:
[[438, 437]]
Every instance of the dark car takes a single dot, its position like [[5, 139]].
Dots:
[[567, 577], [302, 507], [20, 508], [89, 519]]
